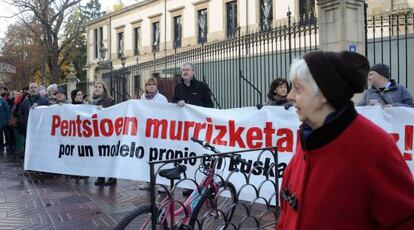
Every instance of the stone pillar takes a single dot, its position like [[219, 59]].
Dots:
[[103, 67], [341, 25], [71, 85]]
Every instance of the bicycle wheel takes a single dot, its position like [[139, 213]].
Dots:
[[139, 218], [205, 216]]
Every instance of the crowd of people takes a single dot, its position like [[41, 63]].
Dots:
[[331, 180]]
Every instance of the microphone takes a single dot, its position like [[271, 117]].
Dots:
[[197, 141]]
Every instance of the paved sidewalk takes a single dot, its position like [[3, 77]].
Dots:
[[45, 201], [34, 200]]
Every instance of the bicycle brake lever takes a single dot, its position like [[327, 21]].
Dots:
[[238, 158]]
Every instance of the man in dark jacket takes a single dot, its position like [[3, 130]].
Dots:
[[385, 91], [32, 100], [190, 90]]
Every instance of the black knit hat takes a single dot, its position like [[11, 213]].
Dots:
[[338, 74], [382, 69]]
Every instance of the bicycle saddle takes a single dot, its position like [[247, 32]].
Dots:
[[174, 173]]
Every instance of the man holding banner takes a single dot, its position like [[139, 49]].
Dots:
[[192, 91], [384, 90], [347, 173]]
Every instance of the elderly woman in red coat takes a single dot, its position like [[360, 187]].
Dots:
[[347, 173]]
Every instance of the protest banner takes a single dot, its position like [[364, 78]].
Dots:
[[120, 140]]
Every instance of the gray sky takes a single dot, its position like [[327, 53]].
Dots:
[[7, 11]]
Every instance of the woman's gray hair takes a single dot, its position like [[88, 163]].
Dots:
[[300, 70]]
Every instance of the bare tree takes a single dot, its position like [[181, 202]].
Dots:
[[22, 50], [50, 15]]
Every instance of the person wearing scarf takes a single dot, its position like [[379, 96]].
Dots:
[[347, 172], [151, 91]]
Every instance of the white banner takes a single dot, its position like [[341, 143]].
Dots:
[[120, 140]]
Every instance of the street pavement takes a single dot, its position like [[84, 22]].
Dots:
[[35, 200]]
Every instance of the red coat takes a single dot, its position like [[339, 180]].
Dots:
[[348, 174]]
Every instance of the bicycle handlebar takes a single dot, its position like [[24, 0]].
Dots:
[[206, 145]]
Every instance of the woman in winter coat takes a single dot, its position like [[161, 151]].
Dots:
[[77, 99], [101, 98], [152, 94]]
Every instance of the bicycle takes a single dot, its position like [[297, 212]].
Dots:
[[186, 216]]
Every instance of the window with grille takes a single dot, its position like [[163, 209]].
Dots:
[[177, 31], [97, 40], [202, 26], [120, 44], [137, 31], [155, 36], [231, 11], [266, 14], [306, 11]]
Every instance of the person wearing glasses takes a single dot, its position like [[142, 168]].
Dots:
[[346, 173], [191, 91], [77, 97]]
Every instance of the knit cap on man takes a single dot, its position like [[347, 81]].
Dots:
[[382, 69], [338, 74]]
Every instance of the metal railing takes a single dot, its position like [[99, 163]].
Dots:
[[238, 69], [258, 212]]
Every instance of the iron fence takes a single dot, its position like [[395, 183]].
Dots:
[[390, 40], [238, 69], [118, 84]]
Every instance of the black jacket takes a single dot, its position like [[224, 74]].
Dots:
[[197, 93], [24, 110]]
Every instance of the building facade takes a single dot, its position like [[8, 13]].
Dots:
[[152, 30], [158, 27], [376, 7]]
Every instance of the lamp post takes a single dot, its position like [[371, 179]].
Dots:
[[153, 57], [123, 60], [71, 85]]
